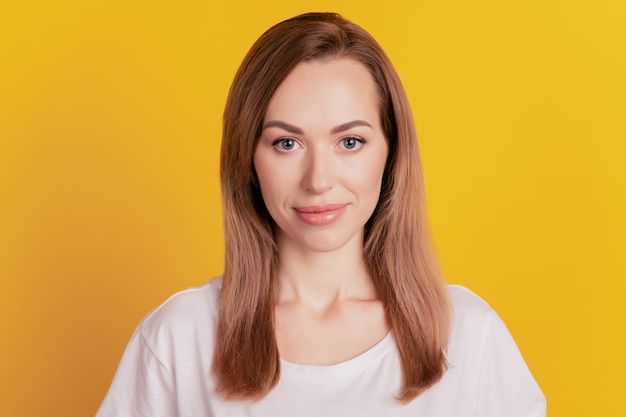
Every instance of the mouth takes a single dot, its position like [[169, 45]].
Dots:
[[319, 208], [320, 215]]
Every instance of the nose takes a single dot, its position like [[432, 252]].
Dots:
[[320, 171]]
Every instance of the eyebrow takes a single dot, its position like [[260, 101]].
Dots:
[[350, 125], [297, 131], [285, 126]]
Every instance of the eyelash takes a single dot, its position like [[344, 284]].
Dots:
[[276, 143], [359, 143]]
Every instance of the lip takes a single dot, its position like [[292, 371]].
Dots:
[[320, 215]]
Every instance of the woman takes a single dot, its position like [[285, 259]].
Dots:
[[331, 302]]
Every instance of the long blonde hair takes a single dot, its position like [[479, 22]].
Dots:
[[397, 246]]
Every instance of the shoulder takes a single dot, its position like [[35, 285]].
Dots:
[[197, 300], [478, 332], [469, 311], [483, 355], [472, 318], [170, 351], [467, 303], [186, 311]]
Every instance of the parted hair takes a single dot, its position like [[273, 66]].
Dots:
[[397, 245]]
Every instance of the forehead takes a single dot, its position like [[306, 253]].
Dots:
[[331, 91]]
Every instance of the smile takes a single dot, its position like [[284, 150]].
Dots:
[[320, 215]]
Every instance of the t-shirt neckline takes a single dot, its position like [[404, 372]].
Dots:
[[348, 367]]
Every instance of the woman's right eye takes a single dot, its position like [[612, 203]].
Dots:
[[285, 144]]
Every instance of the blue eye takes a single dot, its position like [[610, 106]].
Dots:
[[352, 143], [285, 144]]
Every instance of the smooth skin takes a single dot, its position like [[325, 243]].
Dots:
[[320, 161]]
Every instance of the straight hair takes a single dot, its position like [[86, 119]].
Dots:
[[397, 246]]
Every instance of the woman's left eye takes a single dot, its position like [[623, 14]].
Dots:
[[352, 143]]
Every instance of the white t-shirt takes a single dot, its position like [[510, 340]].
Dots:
[[166, 371]]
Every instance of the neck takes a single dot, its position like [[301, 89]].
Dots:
[[322, 278]]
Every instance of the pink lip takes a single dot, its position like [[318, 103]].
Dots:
[[320, 215]]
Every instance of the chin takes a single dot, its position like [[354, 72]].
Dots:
[[327, 244]]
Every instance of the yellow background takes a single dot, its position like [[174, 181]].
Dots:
[[109, 202]]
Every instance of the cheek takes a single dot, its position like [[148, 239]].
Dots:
[[366, 182], [371, 173], [273, 182], [265, 169], [372, 183]]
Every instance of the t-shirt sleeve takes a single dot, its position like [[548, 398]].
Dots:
[[142, 385], [506, 386]]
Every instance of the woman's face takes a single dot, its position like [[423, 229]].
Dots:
[[321, 155]]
